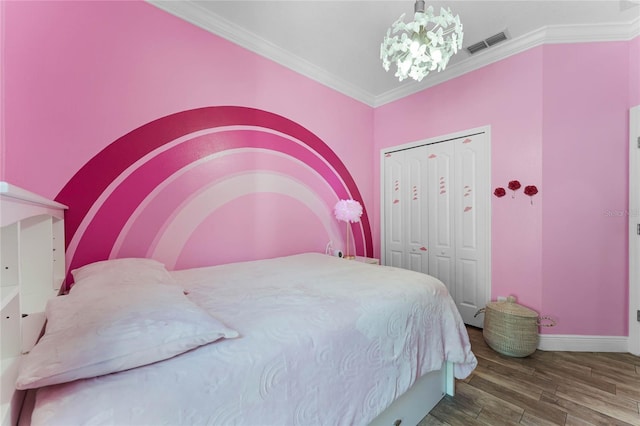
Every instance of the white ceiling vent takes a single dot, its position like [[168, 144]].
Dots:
[[488, 42]]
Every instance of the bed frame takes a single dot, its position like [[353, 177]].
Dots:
[[19, 206], [419, 400]]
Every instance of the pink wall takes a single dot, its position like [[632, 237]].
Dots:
[[585, 170], [79, 76], [559, 120], [82, 74], [634, 72]]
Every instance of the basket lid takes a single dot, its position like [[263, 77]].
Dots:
[[511, 307]]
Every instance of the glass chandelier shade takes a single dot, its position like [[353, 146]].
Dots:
[[421, 46]]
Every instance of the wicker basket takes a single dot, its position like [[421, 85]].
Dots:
[[511, 329]]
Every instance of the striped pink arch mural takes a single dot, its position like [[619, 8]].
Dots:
[[209, 186]]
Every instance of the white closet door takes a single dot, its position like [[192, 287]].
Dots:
[[417, 220], [405, 209], [394, 230], [442, 189], [471, 226], [437, 215]]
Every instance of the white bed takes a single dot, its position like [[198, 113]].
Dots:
[[308, 339]]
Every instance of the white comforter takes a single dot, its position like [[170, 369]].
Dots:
[[323, 341]]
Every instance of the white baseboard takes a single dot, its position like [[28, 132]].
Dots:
[[577, 343]]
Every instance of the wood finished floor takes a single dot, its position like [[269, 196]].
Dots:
[[546, 388]]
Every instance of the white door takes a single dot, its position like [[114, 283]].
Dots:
[[436, 216], [442, 190], [417, 210], [634, 230], [394, 251], [472, 226], [406, 207]]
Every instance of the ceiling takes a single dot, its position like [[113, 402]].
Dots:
[[338, 42]]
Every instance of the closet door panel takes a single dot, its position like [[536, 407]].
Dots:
[[393, 202], [469, 210], [441, 194], [466, 200], [417, 209], [467, 286], [394, 258], [417, 262], [443, 268]]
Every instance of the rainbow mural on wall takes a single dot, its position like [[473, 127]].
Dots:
[[209, 186]]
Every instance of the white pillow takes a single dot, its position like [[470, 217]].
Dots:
[[99, 330], [123, 271]]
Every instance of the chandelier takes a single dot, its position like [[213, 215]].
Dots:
[[421, 46]]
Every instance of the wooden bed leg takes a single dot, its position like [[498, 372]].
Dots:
[[449, 379]]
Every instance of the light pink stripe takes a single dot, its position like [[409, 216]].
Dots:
[[199, 206]]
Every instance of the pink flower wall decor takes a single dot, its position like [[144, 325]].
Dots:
[[530, 190], [514, 185]]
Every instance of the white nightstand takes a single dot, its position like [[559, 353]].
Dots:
[[369, 260]]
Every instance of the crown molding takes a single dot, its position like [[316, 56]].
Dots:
[[191, 12], [545, 35]]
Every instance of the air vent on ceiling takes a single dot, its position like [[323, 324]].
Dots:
[[476, 47], [488, 42], [501, 36]]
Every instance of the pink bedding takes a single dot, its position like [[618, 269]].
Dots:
[[323, 341]]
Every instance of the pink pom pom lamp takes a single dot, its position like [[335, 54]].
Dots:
[[348, 211]]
